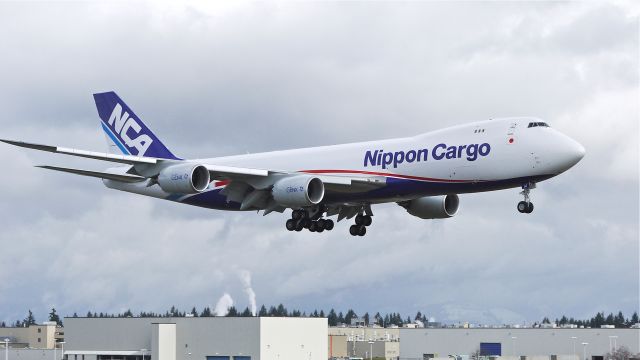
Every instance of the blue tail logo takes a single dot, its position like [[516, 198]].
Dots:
[[126, 129]]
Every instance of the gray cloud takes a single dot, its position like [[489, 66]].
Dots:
[[224, 79]]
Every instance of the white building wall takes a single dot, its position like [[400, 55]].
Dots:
[[293, 338], [163, 342]]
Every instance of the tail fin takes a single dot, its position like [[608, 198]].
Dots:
[[125, 130]]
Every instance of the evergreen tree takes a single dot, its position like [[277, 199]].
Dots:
[[418, 316], [618, 320], [378, 319], [281, 311], [3, 324], [546, 320], [246, 312], [332, 318], [634, 319], [263, 311], [340, 318], [272, 311], [366, 319], [609, 320], [322, 313], [53, 316], [233, 312], [30, 320], [563, 320], [75, 315], [206, 312], [127, 313], [349, 316]]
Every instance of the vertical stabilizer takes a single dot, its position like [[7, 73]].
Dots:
[[125, 131]]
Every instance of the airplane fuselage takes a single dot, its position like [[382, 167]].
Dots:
[[482, 156]]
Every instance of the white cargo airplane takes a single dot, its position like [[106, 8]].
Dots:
[[422, 173]]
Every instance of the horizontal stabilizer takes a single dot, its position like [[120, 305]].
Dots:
[[123, 159], [96, 174]]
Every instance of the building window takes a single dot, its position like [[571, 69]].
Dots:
[[242, 358], [39, 339], [39, 330]]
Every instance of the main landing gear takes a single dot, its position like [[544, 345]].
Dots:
[[360, 228], [526, 206], [300, 219]]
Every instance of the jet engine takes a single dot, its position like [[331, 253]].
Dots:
[[298, 191], [184, 178], [432, 207]]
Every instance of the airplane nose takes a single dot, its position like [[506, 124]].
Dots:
[[574, 152], [579, 151]]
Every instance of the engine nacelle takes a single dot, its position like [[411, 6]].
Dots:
[[432, 207], [298, 191], [184, 178]]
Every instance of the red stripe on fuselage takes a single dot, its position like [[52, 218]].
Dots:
[[409, 177]]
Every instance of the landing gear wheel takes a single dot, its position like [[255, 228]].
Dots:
[[313, 227], [299, 226], [296, 215], [354, 230], [319, 228], [321, 223], [522, 207], [306, 223], [328, 224], [291, 224], [530, 208], [367, 220], [360, 219], [526, 206], [362, 230]]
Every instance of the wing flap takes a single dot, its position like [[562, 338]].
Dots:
[[96, 174], [220, 172]]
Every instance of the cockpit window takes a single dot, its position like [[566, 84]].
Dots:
[[535, 124]]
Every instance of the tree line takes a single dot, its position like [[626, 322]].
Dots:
[[334, 318]]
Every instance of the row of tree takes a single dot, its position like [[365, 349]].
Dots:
[[334, 318], [600, 319]]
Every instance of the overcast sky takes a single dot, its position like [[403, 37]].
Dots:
[[236, 77]]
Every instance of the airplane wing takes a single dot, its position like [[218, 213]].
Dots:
[[123, 159], [96, 174], [248, 186]]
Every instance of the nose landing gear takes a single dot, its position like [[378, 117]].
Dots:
[[526, 206]]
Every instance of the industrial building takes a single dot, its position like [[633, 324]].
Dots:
[[364, 342], [196, 338], [552, 343], [257, 338], [33, 336]]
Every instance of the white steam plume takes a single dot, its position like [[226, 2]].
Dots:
[[223, 305], [245, 276]]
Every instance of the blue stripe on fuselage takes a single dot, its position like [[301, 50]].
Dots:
[[395, 188]]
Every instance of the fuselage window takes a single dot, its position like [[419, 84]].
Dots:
[[535, 124]]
